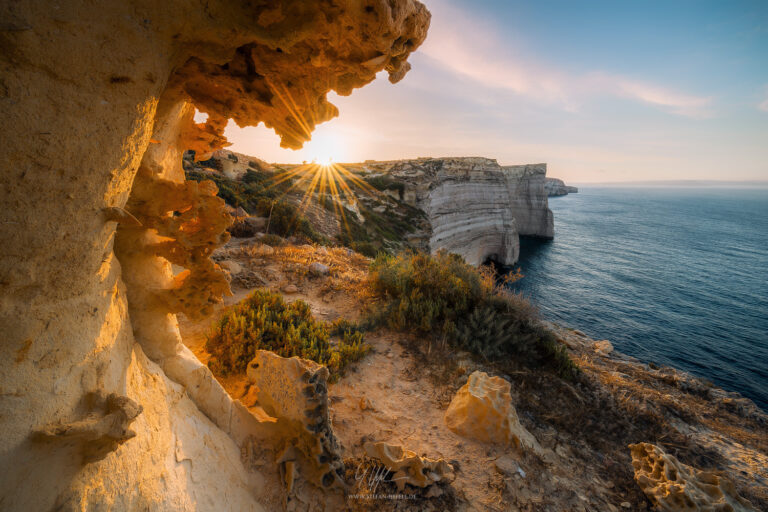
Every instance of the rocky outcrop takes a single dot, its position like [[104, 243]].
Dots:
[[475, 207], [98, 105], [295, 392], [482, 409], [676, 487], [228, 163], [557, 187], [407, 467]]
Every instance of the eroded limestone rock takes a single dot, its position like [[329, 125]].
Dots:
[[677, 487], [102, 429], [482, 409], [98, 105], [295, 391], [475, 207], [407, 467]]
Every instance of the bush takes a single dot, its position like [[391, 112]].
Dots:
[[242, 228], [442, 296], [259, 192], [365, 248], [387, 183], [285, 220], [264, 321], [272, 240]]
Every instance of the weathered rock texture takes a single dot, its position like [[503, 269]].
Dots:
[[557, 187], [97, 102], [230, 164], [295, 392], [673, 486], [407, 467], [482, 409], [476, 208]]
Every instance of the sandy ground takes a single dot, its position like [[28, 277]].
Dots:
[[399, 392]]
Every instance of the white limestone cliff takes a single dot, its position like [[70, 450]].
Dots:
[[557, 187], [476, 208]]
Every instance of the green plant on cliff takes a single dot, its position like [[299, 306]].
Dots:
[[262, 194], [442, 296], [387, 183], [264, 321]]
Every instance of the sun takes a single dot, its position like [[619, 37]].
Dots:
[[324, 161]]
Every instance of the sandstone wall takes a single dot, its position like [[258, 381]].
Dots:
[[476, 207], [97, 102]]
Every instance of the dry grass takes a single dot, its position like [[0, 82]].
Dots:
[[348, 270]]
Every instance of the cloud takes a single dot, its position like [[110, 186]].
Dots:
[[474, 49]]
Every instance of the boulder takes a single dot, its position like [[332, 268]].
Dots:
[[231, 266], [482, 409], [603, 347], [319, 269]]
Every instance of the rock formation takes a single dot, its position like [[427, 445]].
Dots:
[[230, 164], [98, 103], [295, 392], [557, 187], [482, 409], [476, 208], [407, 467], [673, 486]]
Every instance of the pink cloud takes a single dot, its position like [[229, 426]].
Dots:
[[474, 49]]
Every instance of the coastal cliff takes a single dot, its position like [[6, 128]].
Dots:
[[476, 207], [557, 187]]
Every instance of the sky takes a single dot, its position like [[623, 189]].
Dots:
[[602, 91]]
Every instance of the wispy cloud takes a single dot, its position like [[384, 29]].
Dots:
[[476, 50]]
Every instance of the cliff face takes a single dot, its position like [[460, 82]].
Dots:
[[477, 208], [557, 187], [102, 407]]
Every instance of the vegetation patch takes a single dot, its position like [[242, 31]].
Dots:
[[443, 296], [264, 321], [262, 194], [386, 183]]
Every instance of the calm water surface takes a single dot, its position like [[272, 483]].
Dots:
[[673, 276]]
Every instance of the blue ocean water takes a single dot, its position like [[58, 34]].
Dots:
[[672, 276]]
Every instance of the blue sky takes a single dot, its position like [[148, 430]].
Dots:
[[601, 91]]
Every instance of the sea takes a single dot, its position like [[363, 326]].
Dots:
[[674, 276]]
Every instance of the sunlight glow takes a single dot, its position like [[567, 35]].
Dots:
[[325, 180]]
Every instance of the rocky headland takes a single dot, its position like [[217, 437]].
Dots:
[[470, 206], [557, 187], [474, 206]]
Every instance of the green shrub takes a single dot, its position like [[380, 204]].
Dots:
[[285, 220], [272, 240], [365, 248], [264, 321], [260, 193], [442, 296], [386, 183]]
